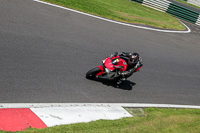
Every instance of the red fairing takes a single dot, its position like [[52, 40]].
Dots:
[[117, 62], [101, 67]]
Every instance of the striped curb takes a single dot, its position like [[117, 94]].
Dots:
[[173, 9], [20, 116], [18, 119]]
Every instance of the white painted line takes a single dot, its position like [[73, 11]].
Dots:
[[130, 25], [134, 105], [76, 114], [198, 21]]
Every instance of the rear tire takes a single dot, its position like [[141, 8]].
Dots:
[[91, 74]]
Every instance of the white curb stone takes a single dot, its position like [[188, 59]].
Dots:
[[68, 115]]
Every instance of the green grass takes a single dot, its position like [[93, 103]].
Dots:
[[188, 3], [155, 120], [123, 10]]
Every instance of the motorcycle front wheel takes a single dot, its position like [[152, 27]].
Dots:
[[91, 74]]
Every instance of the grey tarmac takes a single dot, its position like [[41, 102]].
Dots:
[[46, 51]]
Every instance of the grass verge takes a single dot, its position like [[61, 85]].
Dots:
[[153, 120], [123, 10]]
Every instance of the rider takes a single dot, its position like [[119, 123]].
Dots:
[[133, 60]]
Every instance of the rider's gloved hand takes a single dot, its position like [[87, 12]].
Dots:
[[138, 64]]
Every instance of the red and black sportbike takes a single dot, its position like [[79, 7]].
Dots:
[[111, 69]]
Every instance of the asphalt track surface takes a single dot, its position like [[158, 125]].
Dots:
[[46, 51]]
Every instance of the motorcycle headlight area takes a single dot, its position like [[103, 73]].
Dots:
[[103, 61]]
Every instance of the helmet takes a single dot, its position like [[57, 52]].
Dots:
[[133, 59]]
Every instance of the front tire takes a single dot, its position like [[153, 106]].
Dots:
[[91, 74]]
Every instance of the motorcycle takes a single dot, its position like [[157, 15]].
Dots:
[[111, 68]]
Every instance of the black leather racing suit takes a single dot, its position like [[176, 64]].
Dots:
[[131, 68]]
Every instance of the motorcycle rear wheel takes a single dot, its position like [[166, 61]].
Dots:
[[91, 74]]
